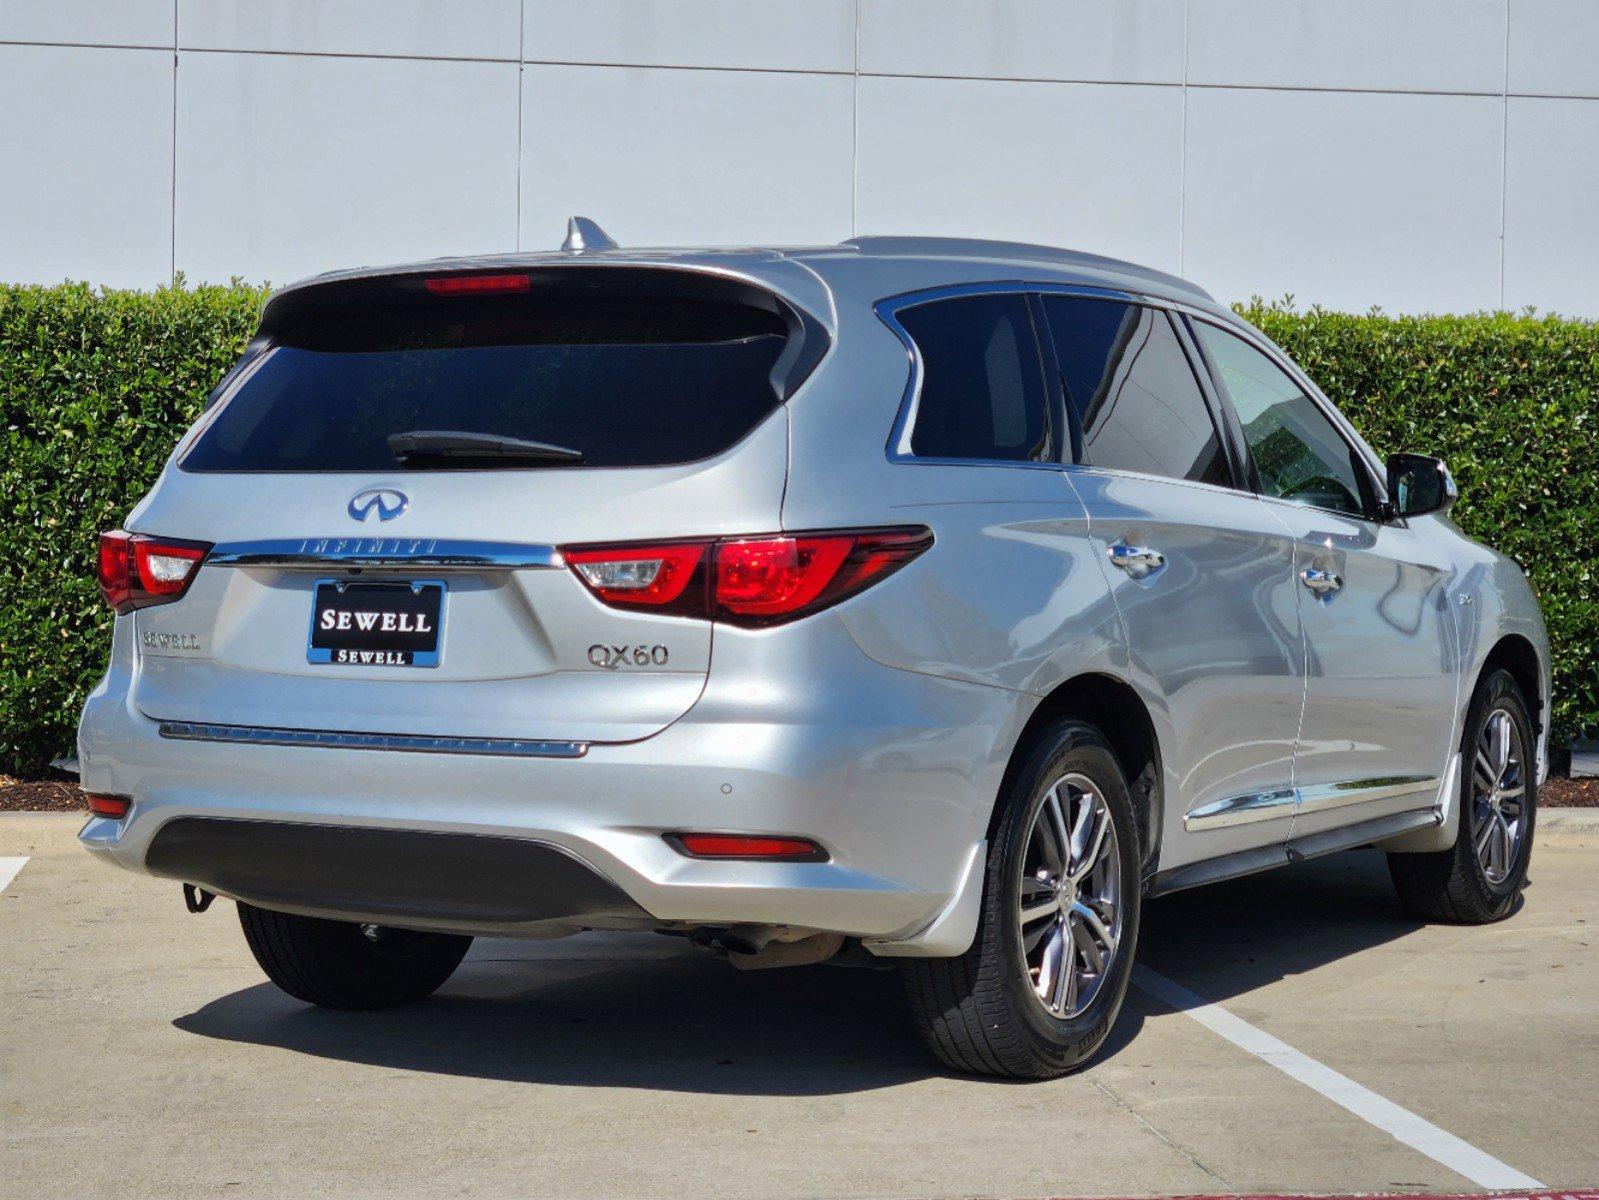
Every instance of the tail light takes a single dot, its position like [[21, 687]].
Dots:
[[735, 845], [746, 580], [137, 570]]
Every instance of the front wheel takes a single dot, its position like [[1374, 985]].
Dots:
[[342, 964], [1479, 878], [1041, 985]]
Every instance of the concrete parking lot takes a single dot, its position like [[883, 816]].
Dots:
[[142, 1054]]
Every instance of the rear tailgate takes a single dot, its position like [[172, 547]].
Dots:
[[476, 629]]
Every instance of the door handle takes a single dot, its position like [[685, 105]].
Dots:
[[1137, 561], [1325, 584]]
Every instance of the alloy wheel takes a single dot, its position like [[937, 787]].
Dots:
[[1070, 896], [1498, 796]]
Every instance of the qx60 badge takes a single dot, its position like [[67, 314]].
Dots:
[[387, 503], [614, 658]]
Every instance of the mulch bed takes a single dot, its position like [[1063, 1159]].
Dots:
[[61, 794], [57, 794], [1560, 792]]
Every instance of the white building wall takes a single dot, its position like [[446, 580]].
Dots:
[[1415, 154]]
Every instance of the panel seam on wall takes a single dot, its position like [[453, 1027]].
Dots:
[[521, 88], [172, 198], [1182, 157], [855, 133], [1179, 84], [464, 58], [1504, 163]]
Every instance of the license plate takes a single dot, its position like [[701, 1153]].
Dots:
[[376, 624]]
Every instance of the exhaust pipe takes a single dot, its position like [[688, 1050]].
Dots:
[[756, 947]]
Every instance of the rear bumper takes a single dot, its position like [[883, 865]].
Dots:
[[451, 880], [893, 773]]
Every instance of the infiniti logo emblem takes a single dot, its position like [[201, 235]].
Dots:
[[385, 502]]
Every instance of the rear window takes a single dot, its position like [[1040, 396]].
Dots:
[[628, 375]]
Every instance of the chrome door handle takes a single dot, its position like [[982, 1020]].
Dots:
[[1135, 560], [1325, 584]]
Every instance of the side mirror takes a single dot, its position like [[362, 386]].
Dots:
[[1418, 485]]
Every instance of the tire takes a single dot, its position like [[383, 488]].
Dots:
[[981, 1012], [342, 964], [1456, 885]]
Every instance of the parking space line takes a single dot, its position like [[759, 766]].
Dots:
[[8, 870], [1403, 1125]]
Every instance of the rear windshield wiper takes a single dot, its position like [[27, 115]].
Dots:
[[453, 447]]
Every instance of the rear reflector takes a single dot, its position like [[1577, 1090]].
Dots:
[[115, 807], [458, 285], [136, 570], [733, 845], [748, 580]]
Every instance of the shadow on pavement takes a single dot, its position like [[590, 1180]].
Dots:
[[560, 1013], [1231, 938], [609, 1010]]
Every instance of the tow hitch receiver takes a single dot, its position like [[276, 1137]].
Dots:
[[196, 899]]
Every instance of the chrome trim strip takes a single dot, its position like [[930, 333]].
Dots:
[[1324, 796], [442, 554], [1283, 802], [1243, 810], [255, 735]]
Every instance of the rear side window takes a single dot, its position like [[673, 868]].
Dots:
[[625, 378], [982, 393], [1133, 391]]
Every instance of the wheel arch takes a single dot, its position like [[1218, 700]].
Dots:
[[1517, 654], [1115, 708]]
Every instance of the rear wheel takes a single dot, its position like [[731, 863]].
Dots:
[[1041, 985], [1480, 877], [342, 964]]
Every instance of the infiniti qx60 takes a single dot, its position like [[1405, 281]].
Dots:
[[913, 602]]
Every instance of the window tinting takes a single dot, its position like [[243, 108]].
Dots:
[[628, 383], [1134, 393], [982, 392], [1298, 454]]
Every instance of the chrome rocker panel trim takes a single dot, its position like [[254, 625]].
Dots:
[[252, 735], [1285, 802], [1243, 810], [433, 553], [1262, 858]]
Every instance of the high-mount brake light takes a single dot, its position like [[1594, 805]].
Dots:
[[735, 845], [461, 285], [137, 570], [762, 580]]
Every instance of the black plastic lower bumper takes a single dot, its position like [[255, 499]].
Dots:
[[468, 881]]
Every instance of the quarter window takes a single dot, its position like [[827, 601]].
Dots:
[[1299, 455], [1133, 390], [982, 393]]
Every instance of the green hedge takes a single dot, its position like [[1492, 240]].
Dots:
[[95, 386], [1511, 403]]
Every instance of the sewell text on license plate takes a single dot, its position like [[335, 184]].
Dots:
[[377, 624]]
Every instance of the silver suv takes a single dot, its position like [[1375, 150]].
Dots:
[[911, 602]]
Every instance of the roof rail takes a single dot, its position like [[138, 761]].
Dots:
[[956, 247]]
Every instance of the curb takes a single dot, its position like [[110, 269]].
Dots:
[[1567, 826]]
